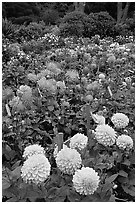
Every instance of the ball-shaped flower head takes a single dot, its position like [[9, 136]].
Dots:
[[120, 120], [24, 89], [72, 75], [68, 160], [35, 169], [33, 150], [78, 141], [56, 149], [86, 181], [105, 135], [32, 77], [124, 142]]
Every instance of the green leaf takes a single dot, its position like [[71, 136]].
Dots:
[[52, 192], [13, 199], [111, 178], [5, 183], [123, 173], [16, 173], [112, 198], [73, 196], [129, 190]]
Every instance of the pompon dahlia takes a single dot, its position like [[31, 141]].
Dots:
[[56, 150], [33, 150], [85, 181], [78, 141], [105, 135], [124, 142], [120, 120], [68, 160], [36, 169]]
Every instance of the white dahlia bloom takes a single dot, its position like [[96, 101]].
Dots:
[[33, 150], [105, 135], [78, 141], [68, 160], [124, 142], [120, 120], [35, 169], [56, 149], [86, 181]]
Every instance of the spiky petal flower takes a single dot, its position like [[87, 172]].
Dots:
[[36, 169], [120, 120], [78, 141], [105, 135], [124, 142], [86, 181], [68, 160], [33, 150]]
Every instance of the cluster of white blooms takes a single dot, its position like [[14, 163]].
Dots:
[[78, 141], [105, 135], [120, 120], [124, 142], [86, 181], [33, 150], [68, 160], [35, 169]]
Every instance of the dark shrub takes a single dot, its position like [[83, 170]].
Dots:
[[22, 19], [104, 23], [50, 16], [76, 24]]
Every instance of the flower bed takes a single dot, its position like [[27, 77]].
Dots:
[[68, 119]]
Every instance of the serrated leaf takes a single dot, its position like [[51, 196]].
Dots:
[[111, 178], [123, 173]]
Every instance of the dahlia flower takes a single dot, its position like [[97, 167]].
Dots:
[[72, 75], [56, 149], [32, 77], [105, 135], [120, 120], [35, 169], [68, 160], [78, 141], [24, 89], [33, 150], [85, 181], [124, 142], [16, 104], [48, 85]]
